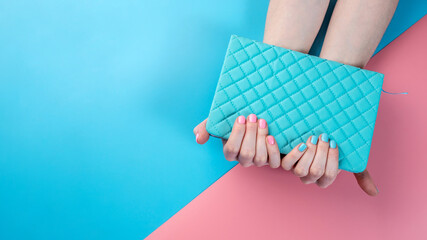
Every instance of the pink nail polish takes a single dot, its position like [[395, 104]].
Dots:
[[197, 137], [270, 140], [262, 123], [252, 118], [241, 119]]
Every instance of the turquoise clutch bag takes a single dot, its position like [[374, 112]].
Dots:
[[299, 95]]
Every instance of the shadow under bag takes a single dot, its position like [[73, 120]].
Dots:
[[299, 95]]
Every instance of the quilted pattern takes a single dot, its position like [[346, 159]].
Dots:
[[299, 95]]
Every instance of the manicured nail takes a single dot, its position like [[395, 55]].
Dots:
[[302, 147], [241, 119], [197, 137], [262, 123], [332, 144], [325, 137], [314, 139], [252, 118], [270, 140]]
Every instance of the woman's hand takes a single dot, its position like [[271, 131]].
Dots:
[[315, 161], [249, 142]]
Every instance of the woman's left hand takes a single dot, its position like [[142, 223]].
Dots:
[[315, 161]]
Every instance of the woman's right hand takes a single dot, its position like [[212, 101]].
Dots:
[[249, 142]]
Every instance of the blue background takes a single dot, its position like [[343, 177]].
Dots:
[[98, 100]]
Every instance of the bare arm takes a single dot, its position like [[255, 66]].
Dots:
[[354, 32], [294, 24]]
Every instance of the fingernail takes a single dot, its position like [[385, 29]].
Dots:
[[252, 118], [332, 144], [262, 123], [270, 140], [197, 137], [241, 119], [325, 137], [314, 139], [302, 147]]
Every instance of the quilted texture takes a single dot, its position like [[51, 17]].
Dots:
[[299, 95]]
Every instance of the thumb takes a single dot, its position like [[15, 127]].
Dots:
[[202, 136], [366, 183]]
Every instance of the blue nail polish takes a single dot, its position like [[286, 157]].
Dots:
[[302, 147], [332, 144], [314, 139], [325, 137]]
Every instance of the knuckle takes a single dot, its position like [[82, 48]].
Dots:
[[316, 172], [274, 164], [300, 172], [247, 153], [285, 165], [229, 157], [260, 160], [231, 150], [329, 176]]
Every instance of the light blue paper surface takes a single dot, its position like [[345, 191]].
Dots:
[[98, 100]]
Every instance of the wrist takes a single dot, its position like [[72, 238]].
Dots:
[[353, 59]]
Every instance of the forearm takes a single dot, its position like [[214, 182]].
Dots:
[[356, 29], [294, 24]]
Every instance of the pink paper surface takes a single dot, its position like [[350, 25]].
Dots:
[[262, 203]]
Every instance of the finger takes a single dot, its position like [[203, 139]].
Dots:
[[365, 182], [273, 152], [260, 158], [331, 169], [291, 158], [317, 168], [303, 165], [202, 136], [232, 146], [247, 150]]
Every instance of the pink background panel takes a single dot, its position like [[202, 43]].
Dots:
[[262, 203]]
